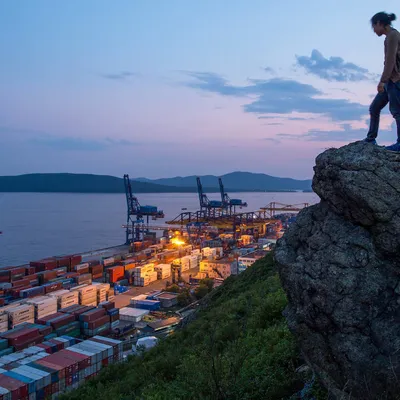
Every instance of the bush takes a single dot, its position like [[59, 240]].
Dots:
[[238, 347]]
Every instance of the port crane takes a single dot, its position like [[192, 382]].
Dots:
[[227, 202], [211, 207], [136, 226]]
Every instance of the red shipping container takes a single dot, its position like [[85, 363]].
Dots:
[[45, 347], [17, 270], [47, 391], [21, 282], [17, 388], [53, 287], [81, 271], [29, 270], [46, 330], [46, 276], [83, 361], [71, 366], [59, 322], [43, 320], [71, 275], [92, 315], [75, 260], [28, 343], [98, 322], [55, 387], [33, 279], [60, 345], [109, 305], [70, 309], [61, 271], [20, 335], [96, 269], [64, 261], [59, 368], [44, 265], [15, 292]]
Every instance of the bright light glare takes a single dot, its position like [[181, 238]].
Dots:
[[177, 241]]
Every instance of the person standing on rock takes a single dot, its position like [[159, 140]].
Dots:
[[389, 85]]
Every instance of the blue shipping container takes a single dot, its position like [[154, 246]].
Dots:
[[113, 311], [52, 372], [7, 351], [31, 383], [31, 292], [147, 305]]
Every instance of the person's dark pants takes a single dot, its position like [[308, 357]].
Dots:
[[393, 90], [391, 95], [378, 104]]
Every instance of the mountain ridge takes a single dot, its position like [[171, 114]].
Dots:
[[236, 180], [92, 183]]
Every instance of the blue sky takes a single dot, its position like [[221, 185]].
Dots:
[[164, 88]]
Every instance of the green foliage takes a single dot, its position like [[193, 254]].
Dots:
[[238, 347], [173, 289], [184, 298], [208, 282], [201, 291]]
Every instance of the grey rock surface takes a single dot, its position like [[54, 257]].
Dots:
[[339, 264]]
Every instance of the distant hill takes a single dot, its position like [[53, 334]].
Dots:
[[78, 183], [235, 181], [87, 183]]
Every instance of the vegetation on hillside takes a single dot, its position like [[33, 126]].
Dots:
[[238, 347]]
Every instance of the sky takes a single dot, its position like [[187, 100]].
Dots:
[[162, 88]]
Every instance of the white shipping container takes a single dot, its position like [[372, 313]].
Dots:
[[58, 293], [4, 326], [3, 318], [90, 304], [68, 303], [21, 311], [81, 266], [132, 314], [13, 324]]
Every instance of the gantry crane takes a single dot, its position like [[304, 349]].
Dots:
[[227, 202], [212, 207], [136, 226]]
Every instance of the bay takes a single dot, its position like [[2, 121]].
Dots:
[[38, 225]]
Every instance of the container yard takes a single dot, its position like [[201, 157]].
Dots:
[[46, 371], [60, 316]]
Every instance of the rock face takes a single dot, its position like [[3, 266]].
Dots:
[[340, 266]]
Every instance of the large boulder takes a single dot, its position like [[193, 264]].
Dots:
[[339, 264]]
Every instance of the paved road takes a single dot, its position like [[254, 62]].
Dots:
[[123, 299]]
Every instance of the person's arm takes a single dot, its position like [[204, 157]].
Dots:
[[390, 56]]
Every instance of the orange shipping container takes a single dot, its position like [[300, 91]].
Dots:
[[115, 273]]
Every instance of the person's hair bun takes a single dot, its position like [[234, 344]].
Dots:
[[392, 17]]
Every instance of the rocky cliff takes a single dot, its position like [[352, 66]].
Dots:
[[340, 267]]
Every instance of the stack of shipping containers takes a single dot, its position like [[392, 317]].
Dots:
[[36, 374]]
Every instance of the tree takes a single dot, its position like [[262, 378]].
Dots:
[[201, 291]]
